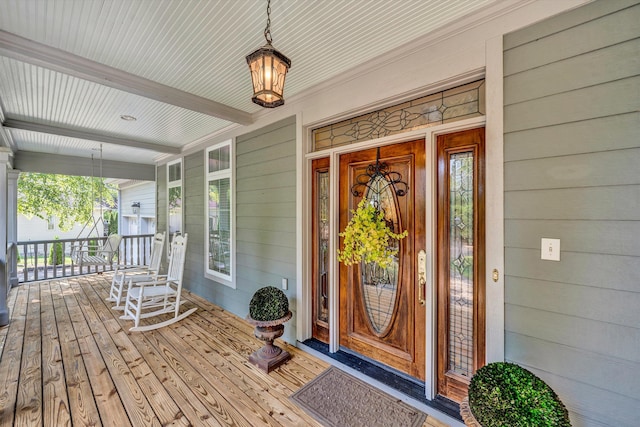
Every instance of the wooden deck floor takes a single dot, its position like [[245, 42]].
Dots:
[[67, 359]]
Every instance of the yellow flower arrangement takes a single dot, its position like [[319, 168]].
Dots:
[[366, 237]]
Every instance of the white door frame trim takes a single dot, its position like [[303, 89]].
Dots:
[[494, 200], [431, 226]]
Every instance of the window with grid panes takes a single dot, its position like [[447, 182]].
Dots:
[[219, 208], [174, 197]]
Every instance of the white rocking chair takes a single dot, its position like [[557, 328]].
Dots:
[[137, 273], [97, 255], [160, 296]]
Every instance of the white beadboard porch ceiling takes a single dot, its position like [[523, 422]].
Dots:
[[195, 47]]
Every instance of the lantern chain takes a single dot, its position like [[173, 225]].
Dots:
[[267, 30]]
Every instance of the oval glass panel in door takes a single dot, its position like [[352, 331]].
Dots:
[[380, 285]]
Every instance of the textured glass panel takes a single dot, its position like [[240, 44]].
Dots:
[[220, 226], [454, 104], [380, 285], [461, 271], [323, 245], [174, 172], [175, 210], [219, 159]]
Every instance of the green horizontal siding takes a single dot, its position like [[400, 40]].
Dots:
[[572, 151], [265, 219]]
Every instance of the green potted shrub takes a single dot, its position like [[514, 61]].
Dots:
[[505, 394], [268, 311]]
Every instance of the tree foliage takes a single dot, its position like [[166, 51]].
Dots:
[[69, 199]]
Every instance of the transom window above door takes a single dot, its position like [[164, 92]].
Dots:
[[459, 103]]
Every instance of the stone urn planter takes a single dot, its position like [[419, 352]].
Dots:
[[467, 415], [268, 312]]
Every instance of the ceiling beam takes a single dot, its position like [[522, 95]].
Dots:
[[90, 136], [29, 161], [25, 50], [5, 137]]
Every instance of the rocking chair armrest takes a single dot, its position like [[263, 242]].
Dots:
[[150, 284], [162, 279], [127, 273], [125, 268]]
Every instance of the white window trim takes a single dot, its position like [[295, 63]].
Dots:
[[227, 280], [170, 185]]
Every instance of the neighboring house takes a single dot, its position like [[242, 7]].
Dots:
[[136, 215], [136, 206], [35, 228]]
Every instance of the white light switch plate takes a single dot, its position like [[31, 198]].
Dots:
[[550, 249], [285, 284]]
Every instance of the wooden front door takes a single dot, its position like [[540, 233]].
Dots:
[[381, 312]]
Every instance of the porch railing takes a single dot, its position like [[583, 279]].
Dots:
[[51, 259]]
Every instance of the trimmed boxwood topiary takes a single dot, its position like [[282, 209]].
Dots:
[[505, 394], [268, 303]]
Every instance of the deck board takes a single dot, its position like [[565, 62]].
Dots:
[[12, 357], [81, 401], [54, 394], [107, 397], [68, 359], [29, 399], [11, 302], [142, 378], [132, 396]]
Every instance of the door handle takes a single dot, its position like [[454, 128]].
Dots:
[[422, 277]]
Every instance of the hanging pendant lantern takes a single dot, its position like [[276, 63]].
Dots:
[[268, 71]]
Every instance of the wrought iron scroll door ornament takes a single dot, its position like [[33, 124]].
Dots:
[[365, 181], [379, 286]]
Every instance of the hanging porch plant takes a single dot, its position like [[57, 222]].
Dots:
[[366, 237]]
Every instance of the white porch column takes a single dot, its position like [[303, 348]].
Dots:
[[12, 219], [5, 165]]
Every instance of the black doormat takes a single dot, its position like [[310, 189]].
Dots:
[[337, 399]]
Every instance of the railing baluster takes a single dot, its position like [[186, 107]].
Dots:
[[64, 260], [35, 261], [45, 260], [25, 271]]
